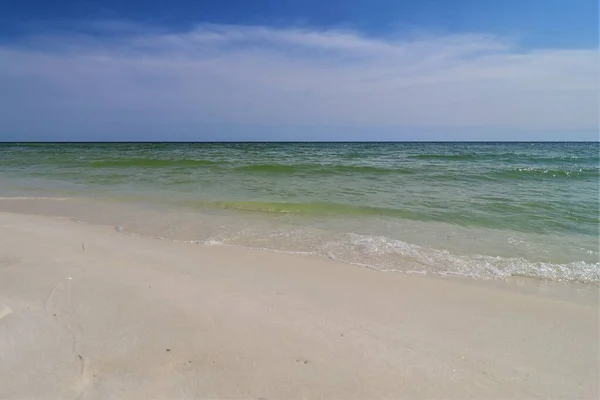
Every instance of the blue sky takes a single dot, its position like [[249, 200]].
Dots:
[[299, 70]]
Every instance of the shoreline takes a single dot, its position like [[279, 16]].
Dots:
[[428, 252], [88, 311]]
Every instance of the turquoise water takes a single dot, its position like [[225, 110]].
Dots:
[[482, 210]]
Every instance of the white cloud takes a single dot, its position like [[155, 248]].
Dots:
[[259, 75]]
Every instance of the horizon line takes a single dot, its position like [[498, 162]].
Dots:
[[293, 141]]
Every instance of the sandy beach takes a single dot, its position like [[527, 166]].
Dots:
[[89, 312]]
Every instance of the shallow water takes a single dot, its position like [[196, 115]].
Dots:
[[474, 209]]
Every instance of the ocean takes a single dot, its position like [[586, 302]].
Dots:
[[481, 210]]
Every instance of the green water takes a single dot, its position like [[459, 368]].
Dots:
[[494, 209]]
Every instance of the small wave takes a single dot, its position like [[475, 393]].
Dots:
[[150, 163], [267, 168], [511, 157], [386, 254], [459, 157], [320, 169], [530, 172]]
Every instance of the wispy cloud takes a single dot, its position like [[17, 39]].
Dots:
[[136, 76]]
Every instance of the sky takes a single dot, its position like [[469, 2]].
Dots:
[[391, 70]]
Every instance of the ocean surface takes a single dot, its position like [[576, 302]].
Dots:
[[483, 210]]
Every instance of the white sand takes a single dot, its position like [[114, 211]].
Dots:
[[126, 317]]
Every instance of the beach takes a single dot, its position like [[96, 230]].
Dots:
[[285, 200], [89, 311]]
